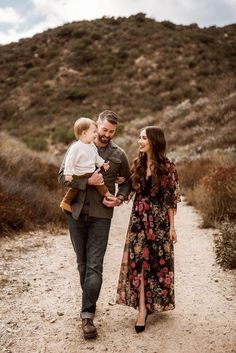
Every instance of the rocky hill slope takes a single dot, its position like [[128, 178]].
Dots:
[[173, 75]]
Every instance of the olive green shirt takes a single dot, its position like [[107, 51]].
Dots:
[[88, 198]]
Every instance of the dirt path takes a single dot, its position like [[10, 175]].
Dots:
[[39, 307]]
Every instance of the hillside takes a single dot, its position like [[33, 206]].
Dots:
[[142, 69], [182, 78]]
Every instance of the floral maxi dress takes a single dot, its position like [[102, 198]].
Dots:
[[149, 247]]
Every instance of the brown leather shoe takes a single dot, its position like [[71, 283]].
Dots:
[[88, 328]]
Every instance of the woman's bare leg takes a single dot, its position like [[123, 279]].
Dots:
[[142, 306]]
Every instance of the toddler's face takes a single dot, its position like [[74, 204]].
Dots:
[[90, 134]]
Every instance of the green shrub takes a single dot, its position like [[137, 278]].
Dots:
[[96, 36], [120, 129], [79, 33], [168, 24], [130, 72], [7, 111], [139, 17], [76, 93], [62, 134], [85, 56], [225, 245], [64, 31], [36, 143]]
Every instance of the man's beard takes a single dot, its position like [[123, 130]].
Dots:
[[103, 139]]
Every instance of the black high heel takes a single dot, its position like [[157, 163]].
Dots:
[[141, 328]]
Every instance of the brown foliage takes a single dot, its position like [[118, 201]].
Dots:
[[30, 193], [14, 213], [215, 195], [192, 171], [219, 188]]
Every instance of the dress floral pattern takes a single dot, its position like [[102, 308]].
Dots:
[[148, 246]]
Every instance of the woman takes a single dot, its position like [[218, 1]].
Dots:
[[146, 278]]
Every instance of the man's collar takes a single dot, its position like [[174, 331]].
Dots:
[[110, 144]]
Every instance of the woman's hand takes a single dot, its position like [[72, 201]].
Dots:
[[130, 197], [173, 235]]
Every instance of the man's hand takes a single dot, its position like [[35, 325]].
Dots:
[[96, 178], [119, 180], [112, 201]]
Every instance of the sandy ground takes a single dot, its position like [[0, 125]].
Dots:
[[40, 297]]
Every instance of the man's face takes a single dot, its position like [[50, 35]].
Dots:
[[105, 131]]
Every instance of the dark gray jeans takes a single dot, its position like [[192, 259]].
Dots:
[[89, 236]]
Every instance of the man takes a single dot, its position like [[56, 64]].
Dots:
[[89, 223]]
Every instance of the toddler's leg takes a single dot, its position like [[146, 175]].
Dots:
[[68, 198], [103, 190]]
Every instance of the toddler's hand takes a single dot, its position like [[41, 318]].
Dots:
[[68, 177], [106, 166]]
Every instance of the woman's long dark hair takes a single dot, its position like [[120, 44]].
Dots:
[[157, 141]]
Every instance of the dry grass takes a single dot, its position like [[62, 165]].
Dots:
[[215, 195], [30, 193], [14, 212], [210, 186], [192, 171], [226, 245]]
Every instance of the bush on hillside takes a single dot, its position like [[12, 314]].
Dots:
[[63, 134], [76, 93], [14, 213], [29, 191], [36, 143], [210, 186], [225, 245], [191, 172], [215, 195]]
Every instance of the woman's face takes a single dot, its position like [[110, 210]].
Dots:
[[144, 145]]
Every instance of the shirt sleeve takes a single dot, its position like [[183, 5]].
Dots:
[[99, 161], [124, 188], [71, 159], [80, 184], [171, 189]]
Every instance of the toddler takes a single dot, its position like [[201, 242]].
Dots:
[[82, 159]]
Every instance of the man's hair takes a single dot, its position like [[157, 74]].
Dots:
[[110, 116], [82, 124]]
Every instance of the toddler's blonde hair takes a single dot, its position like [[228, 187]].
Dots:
[[82, 124]]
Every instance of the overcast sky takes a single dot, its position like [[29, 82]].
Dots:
[[24, 18]]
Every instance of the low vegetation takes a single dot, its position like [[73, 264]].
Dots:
[[210, 186], [136, 66], [181, 78], [29, 192]]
